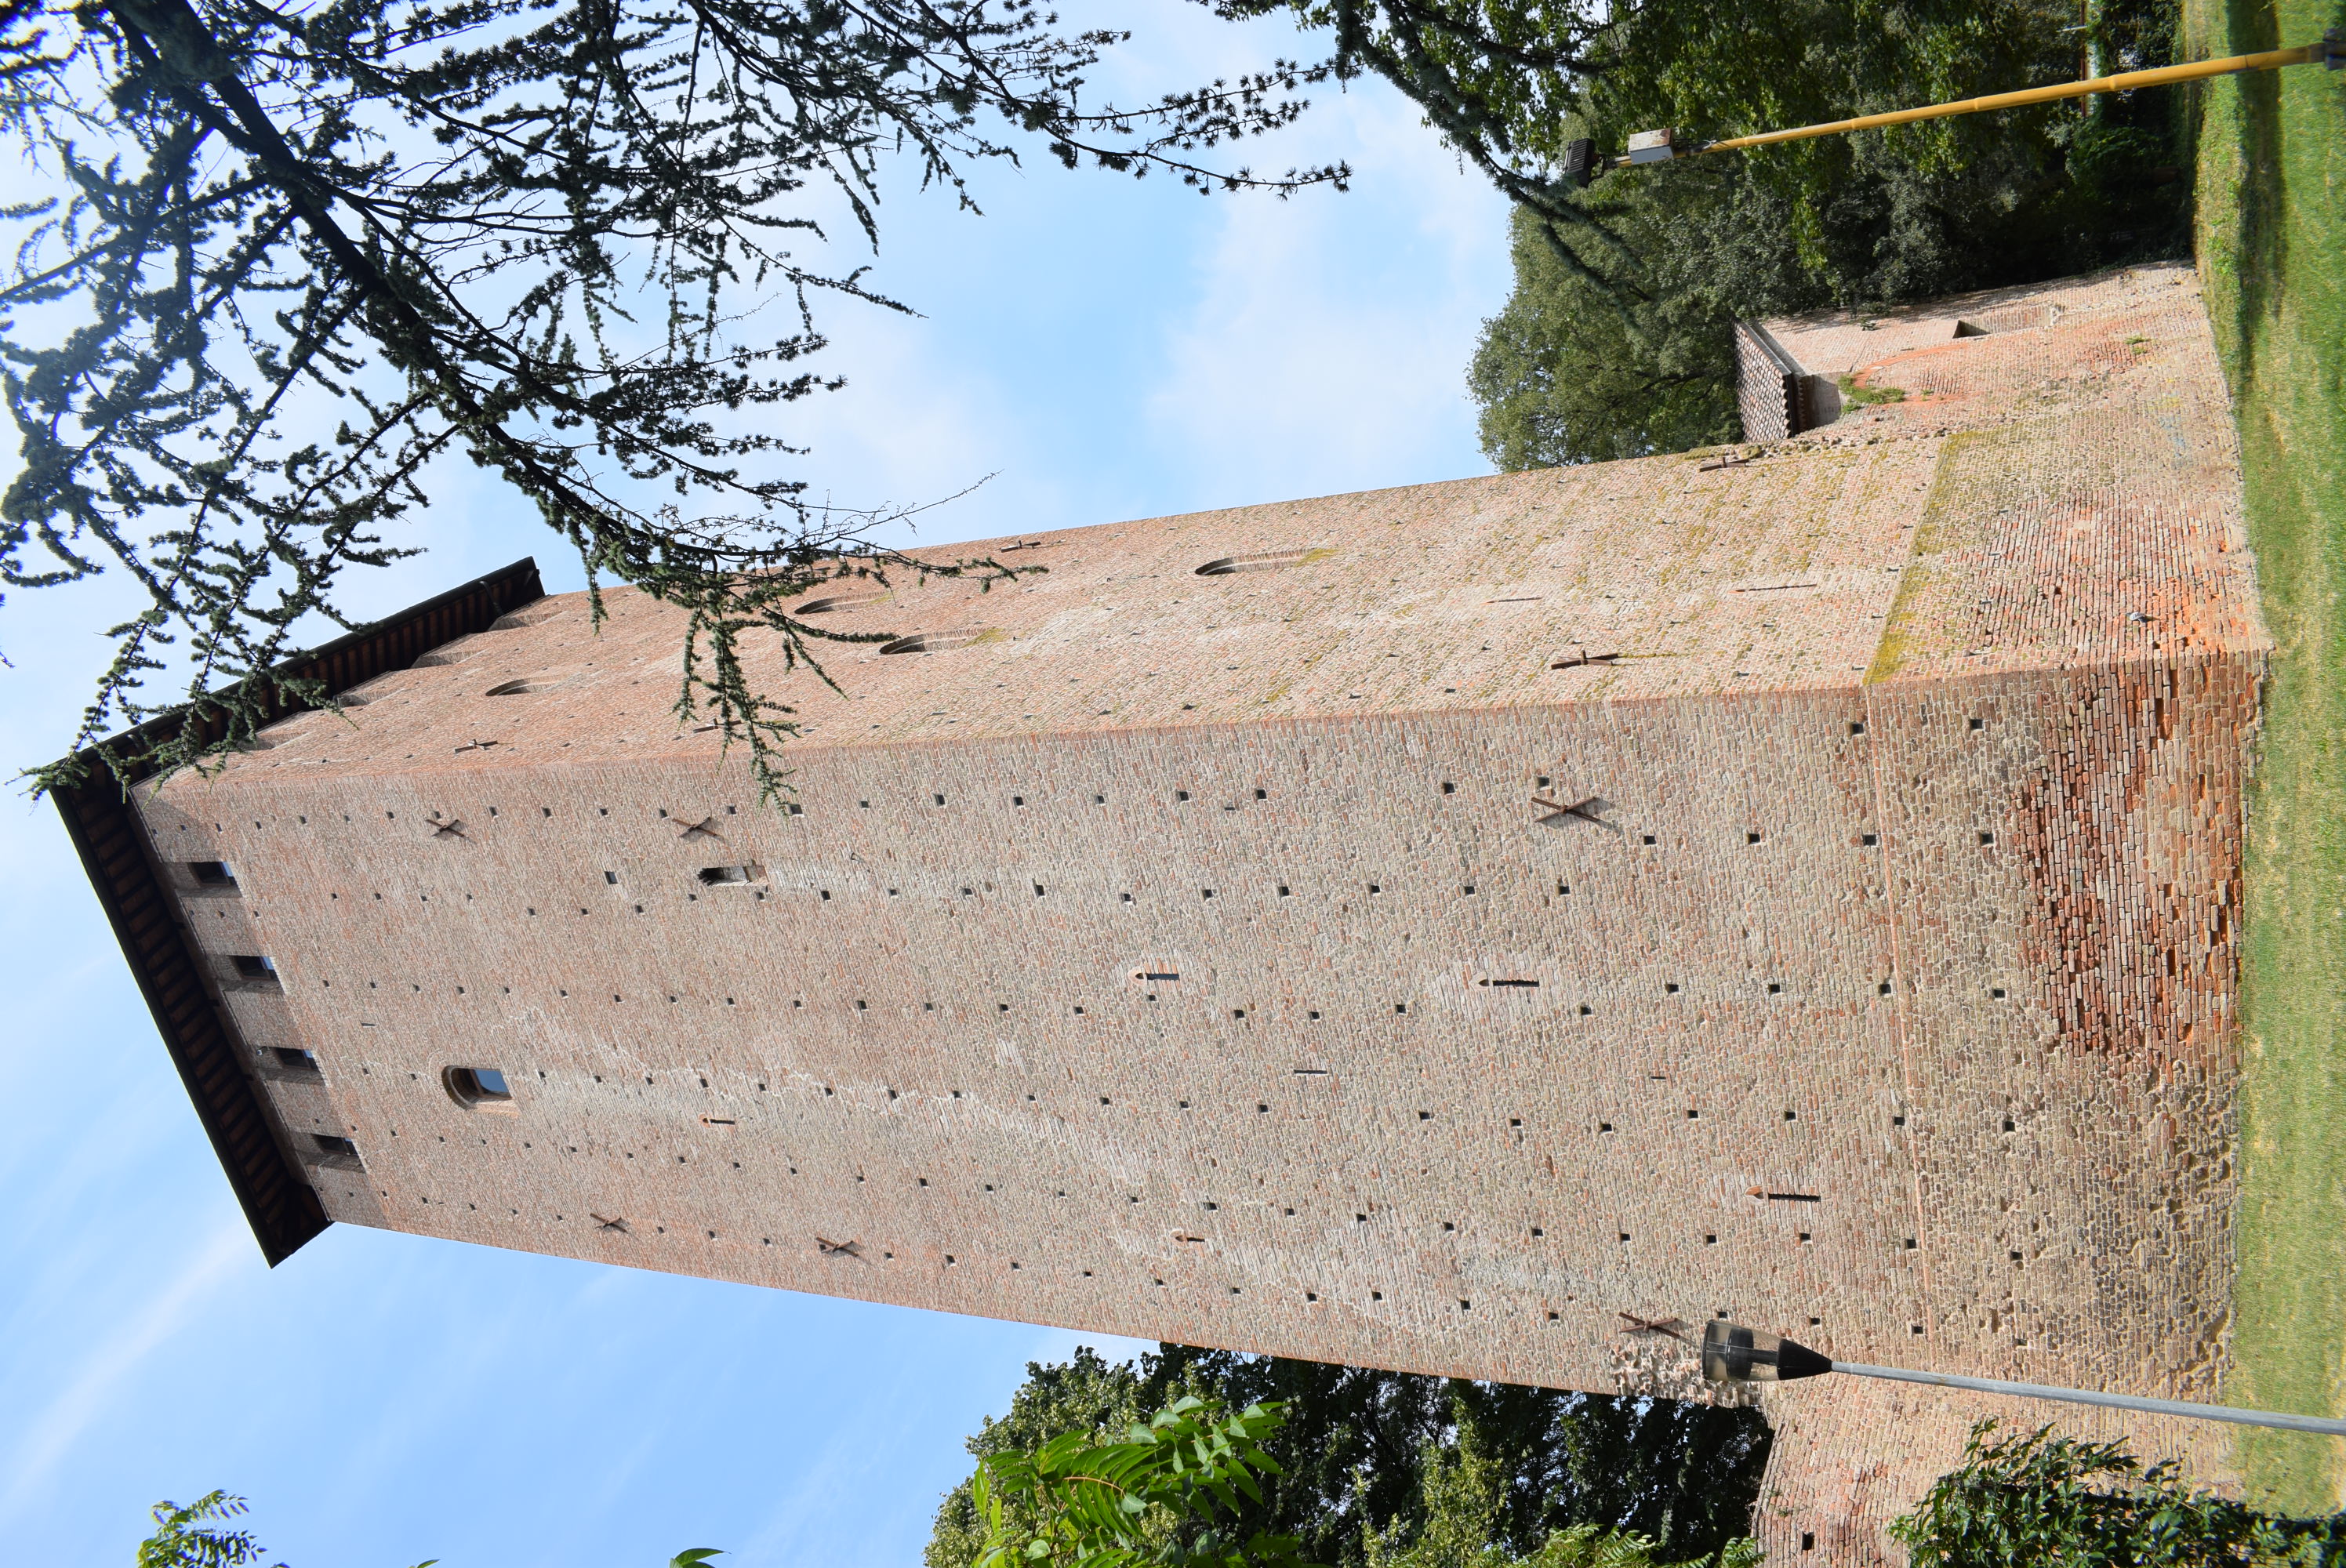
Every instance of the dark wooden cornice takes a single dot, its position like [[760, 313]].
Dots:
[[198, 1032]]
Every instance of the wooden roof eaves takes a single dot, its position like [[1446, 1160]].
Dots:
[[201, 1037]]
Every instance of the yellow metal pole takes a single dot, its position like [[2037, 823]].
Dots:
[[2328, 51]]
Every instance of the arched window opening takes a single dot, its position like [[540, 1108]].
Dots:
[[478, 1089], [939, 642], [855, 599], [1259, 560]]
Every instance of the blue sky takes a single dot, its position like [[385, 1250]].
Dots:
[[1104, 349]]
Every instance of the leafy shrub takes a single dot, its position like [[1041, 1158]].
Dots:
[[2034, 1498]]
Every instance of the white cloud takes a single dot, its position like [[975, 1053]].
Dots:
[[1328, 346], [49, 1435]]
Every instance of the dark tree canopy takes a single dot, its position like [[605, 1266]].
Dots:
[[299, 255], [1575, 369], [1360, 1445]]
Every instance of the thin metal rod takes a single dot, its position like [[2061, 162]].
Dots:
[[2323, 1424], [2126, 81]]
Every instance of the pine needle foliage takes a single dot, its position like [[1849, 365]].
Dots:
[[2036, 1497], [1503, 81], [1168, 1493], [300, 256]]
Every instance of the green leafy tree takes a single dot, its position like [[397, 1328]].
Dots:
[[1464, 1490], [1638, 358], [1171, 1491], [1512, 84], [1358, 1439], [2035, 1497], [1617, 338], [296, 257], [1085, 1394], [1354, 1448], [1634, 352]]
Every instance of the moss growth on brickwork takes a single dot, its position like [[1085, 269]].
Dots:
[[1858, 396], [2272, 246], [1947, 523]]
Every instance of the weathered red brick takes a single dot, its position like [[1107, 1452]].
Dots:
[[1904, 762]]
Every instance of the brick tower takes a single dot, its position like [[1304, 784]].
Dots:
[[1455, 929]]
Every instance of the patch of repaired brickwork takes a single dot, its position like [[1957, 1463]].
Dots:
[[1497, 928]]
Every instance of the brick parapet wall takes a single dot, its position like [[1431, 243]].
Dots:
[[1767, 386]]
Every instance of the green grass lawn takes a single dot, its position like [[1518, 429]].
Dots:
[[2272, 245]]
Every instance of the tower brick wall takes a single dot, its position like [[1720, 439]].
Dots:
[[1494, 916]]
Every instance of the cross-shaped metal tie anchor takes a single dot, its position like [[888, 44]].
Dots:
[[1669, 1326], [704, 829], [1581, 809], [619, 1225], [840, 1248], [453, 827]]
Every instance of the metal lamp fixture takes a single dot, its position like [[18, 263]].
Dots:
[[1734, 1354]]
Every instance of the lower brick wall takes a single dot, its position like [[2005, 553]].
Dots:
[[1852, 1454]]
